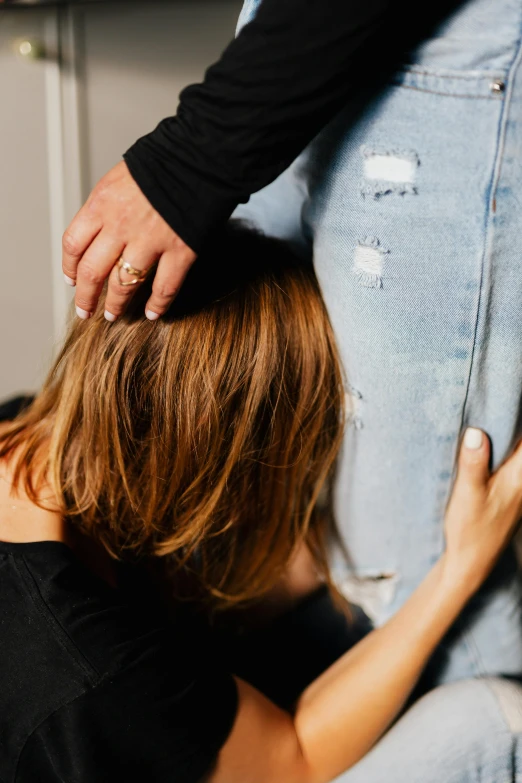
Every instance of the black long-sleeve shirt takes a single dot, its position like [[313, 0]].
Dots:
[[276, 85]]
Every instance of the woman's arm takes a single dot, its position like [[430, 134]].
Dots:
[[271, 91], [275, 87], [345, 711]]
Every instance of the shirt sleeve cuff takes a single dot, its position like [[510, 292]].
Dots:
[[192, 208]]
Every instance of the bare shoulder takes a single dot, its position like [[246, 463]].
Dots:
[[22, 520]]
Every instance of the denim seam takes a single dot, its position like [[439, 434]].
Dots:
[[504, 121], [495, 175], [470, 76], [489, 682], [492, 97], [474, 653]]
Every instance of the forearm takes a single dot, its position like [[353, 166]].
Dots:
[[345, 711]]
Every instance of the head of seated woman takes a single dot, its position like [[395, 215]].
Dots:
[[203, 438]]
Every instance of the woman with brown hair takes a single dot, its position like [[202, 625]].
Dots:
[[170, 471]]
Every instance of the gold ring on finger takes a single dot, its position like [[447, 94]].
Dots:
[[139, 274]]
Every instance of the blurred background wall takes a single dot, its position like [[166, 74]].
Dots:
[[79, 82]]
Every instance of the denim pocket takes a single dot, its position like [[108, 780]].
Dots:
[[459, 84]]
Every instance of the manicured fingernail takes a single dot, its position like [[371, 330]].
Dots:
[[151, 315], [473, 438], [109, 316], [69, 280], [83, 314]]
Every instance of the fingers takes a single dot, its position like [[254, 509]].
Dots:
[[172, 270], [117, 216], [141, 259], [93, 270], [81, 232], [473, 463]]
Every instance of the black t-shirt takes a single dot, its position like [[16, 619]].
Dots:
[[96, 688], [100, 685]]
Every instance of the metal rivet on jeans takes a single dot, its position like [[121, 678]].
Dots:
[[497, 86]]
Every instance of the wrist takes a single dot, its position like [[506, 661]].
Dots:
[[458, 577], [436, 604]]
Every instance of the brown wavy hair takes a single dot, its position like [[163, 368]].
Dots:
[[204, 438]]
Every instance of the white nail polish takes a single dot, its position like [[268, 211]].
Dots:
[[151, 315], [83, 314], [69, 280], [109, 316], [473, 438]]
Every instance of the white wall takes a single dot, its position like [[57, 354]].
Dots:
[[26, 313], [136, 67], [122, 69]]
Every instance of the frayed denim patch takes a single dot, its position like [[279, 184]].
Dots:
[[373, 592], [368, 262], [353, 407], [388, 171]]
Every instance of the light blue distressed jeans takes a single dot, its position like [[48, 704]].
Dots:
[[412, 209], [465, 732]]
